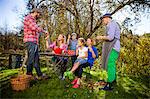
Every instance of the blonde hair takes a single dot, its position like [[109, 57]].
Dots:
[[82, 40], [63, 40]]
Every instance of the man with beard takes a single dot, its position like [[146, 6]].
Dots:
[[110, 49], [31, 37]]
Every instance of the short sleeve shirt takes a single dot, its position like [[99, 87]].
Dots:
[[82, 51]]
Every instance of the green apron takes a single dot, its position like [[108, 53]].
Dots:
[[109, 58]]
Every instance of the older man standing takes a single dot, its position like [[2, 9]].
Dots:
[[31, 36], [110, 49]]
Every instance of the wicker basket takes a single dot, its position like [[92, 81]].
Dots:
[[20, 82]]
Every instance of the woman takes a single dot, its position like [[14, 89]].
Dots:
[[58, 47]]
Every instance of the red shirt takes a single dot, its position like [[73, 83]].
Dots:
[[31, 29]]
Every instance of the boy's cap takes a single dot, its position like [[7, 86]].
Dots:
[[73, 34], [106, 15]]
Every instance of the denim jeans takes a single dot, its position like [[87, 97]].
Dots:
[[33, 58], [81, 61]]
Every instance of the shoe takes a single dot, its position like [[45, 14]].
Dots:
[[43, 77], [76, 86], [74, 81], [61, 77], [107, 88]]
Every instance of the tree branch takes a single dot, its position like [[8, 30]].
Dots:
[[99, 22], [63, 6], [40, 3], [122, 5]]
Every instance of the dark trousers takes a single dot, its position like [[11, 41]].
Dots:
[[33, 58], [79, 70]]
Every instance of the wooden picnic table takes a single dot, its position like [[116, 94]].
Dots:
[[58, 55], [56, 64], [53, 54]]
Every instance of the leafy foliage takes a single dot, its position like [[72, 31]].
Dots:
[[134, 55]]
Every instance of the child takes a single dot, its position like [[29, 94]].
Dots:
[[92, 55], [82, 53], [72, 42]]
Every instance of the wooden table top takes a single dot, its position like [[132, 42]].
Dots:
[[53, 54]]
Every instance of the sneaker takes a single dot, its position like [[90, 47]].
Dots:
[[107, 88], [43, 77], [74, 81], [76, 86], [63, 78]]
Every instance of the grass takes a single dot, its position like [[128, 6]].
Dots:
[[126, 87]]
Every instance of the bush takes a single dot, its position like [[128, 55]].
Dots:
[[135, 55]]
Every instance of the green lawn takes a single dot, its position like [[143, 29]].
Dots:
[[126, 87]]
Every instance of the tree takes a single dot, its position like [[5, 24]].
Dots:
[[84, 15]]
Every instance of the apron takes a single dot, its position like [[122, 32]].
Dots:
[[106, 49]]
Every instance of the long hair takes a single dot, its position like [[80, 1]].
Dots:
[[82, 40], [63, 40], [93, 41]]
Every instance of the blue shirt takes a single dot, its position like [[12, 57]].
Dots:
[[113, 31], [73, 44], [90, 58]]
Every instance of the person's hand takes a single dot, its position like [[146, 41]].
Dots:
[[47, 37], [69, 36], [90, 48], [56, 47], [78, 57], [99, 37]]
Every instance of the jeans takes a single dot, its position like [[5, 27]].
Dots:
[[80, 60], [33, 58]]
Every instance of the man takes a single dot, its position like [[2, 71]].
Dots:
[[31, 36], [110, 49]]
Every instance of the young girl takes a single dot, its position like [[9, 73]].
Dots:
[[82, 53], [92, 55]]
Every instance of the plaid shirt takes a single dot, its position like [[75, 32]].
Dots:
[[31, 29]]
